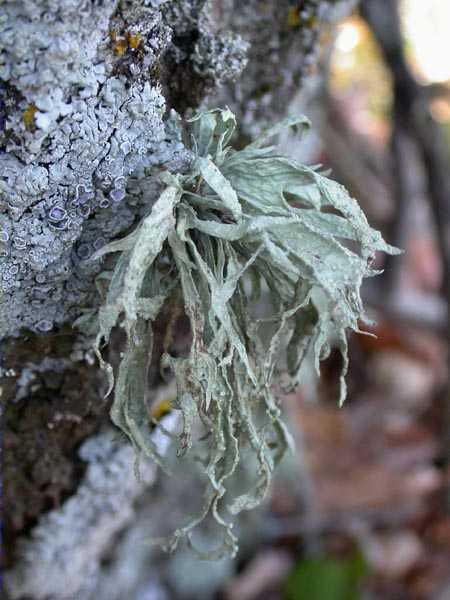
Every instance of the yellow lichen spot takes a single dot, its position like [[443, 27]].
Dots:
[[293, 17], [161, 409], [120, 47], [134, 41], [28, 117]]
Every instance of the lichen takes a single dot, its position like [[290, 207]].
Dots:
[[84, 126], [28, 117], [285, 40], [62, 558], [239, 225], [201, 56]]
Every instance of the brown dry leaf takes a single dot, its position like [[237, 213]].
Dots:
[[408, 381], [373, 486], [395, 554], [362, 458]]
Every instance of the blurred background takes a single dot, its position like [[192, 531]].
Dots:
[[362, 509]]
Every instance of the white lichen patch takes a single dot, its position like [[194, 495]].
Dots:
[[62, 557]]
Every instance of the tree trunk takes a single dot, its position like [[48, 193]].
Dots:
[[88, 92]]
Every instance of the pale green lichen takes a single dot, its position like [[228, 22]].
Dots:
[[237, 218]]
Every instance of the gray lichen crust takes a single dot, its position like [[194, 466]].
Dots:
[[65, 549], [284, 49], [82, 130]]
